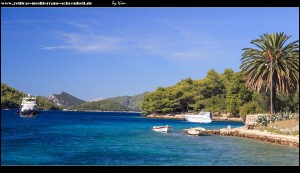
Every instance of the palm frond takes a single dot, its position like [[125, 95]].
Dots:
[[255, 63]]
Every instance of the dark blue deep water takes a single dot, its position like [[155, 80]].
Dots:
[[101, 138]]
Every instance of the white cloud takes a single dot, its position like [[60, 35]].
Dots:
[[20, 20], [192, 54], [87, 43], [191, 46], [79, 25], [182, 31], [55, 47], [185, 55]]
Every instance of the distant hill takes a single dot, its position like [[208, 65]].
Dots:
[[132, 102], [65, 100], [102, 105], [12, 98]]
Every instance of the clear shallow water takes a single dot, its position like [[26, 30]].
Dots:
[[100, 138]]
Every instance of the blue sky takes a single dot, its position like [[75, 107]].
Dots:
[[107, 52]]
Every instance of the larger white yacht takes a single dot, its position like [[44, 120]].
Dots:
[[28, 108], [202, 117]]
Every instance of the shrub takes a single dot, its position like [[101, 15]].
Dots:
[[263, 120]]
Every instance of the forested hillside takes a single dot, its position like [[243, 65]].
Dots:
[[65, 100], [103, 105], [132, 102], [218, 93]]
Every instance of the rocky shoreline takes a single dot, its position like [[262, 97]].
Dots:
[[181, 117], [244, 131], [289, 140]]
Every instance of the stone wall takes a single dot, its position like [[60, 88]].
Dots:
[[251, 120]]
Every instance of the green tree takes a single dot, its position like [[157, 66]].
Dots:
[[273, 66], [213, 84]]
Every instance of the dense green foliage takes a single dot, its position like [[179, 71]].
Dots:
[[218, 93], [65, 100], [132, 102], [103, 105], [215, 93], [12, 99], [274, 64]]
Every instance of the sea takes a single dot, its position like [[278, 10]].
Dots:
[[64, 138]]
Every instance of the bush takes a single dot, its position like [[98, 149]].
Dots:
[[267, 119], [263, 120], [247, 108]]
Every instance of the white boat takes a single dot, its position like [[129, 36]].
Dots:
[[28, 108], [161, 128], [195, 131], [202, 117]]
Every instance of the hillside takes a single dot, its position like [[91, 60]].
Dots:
[[12, 98], [103, 105], [132, 102], [224, 93], [65, 100]]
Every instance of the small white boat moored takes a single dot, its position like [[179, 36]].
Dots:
[[195, 131], [161, 128]]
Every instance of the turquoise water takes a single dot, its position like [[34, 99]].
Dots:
[[101, 138]]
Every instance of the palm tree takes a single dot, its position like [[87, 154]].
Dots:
[[273, 66]]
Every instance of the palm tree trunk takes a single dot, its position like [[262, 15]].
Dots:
[[272, 97]]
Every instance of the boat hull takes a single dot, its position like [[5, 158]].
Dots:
[[197, 119], [203, 117], [29, 113]]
